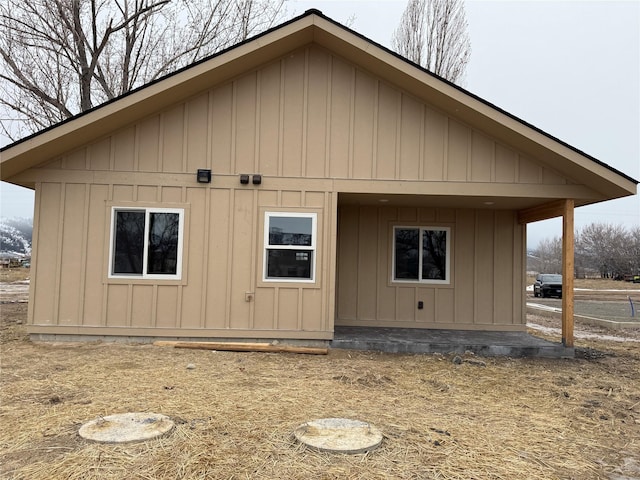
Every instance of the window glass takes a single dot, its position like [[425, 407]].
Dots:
[[289, 264], [146, 243], [129, 242], [290, 230], [434, 254], [407, 253], [421, 254], [290, 246], [163, 243]]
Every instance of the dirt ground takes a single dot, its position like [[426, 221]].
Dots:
[[486, 418]]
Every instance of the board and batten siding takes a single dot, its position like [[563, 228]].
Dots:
[[313, 126], [487, 285]]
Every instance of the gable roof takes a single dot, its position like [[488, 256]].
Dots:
[[314, 27]]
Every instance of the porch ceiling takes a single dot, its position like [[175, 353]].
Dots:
[[440, 201]]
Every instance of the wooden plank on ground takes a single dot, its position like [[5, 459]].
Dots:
[[252, 347]]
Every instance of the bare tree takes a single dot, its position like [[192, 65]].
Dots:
[[548, 255], [62, 57], [433, 34]]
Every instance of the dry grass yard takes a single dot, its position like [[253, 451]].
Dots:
[[489, 418]]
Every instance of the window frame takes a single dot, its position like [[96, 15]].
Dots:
[[313, 248], [145, 258], [421, 229]]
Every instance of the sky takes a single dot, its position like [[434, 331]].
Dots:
[[570, 68]]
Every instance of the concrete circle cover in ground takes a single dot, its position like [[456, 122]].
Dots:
[[126, 427], [341, 435]]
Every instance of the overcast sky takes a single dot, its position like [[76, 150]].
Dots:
[[570, 68]]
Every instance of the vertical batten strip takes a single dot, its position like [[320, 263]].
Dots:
[[398, 149], [445, 154], [160, 164], [234, 127], [281, 118], [352, 122], [327, 130], [376, 127], [136, 147], [230, 243], [254, 258], [468, 174], [56, 288], [154, 306], [129, 305], [83, 253], [305, 114], [205, 255], [185, 135], [423, 125]]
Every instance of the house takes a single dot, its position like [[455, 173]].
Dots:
[[304, 179]]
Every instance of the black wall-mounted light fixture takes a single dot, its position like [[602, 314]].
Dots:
[[204, 176], [244, 179], [257, 179]]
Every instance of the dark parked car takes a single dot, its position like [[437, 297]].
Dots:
[[548, 285]]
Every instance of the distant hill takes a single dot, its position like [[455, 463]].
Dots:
[[15, 237]]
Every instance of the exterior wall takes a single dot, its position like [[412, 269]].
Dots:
[[313, 126], [487, 271]]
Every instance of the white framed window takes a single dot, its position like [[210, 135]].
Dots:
[[146, 243], [289, 247], [422, 254]]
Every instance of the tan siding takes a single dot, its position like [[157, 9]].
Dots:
[[99, 155], [244, 98], [76, 160], [147, 193], [341, 82], [221, 131], [485, 270], [458, 149], [505, 287], [173, 138], [364, 113], [435, 147], [117, 303], [288, 308], [243, 228], [317, 119], [388, 107], [167, 307], [96, 255], [309, 114], [123, 151], [366, 263], [269, 115], [293, 122], [218, 285], [411, 129], [141, 306], [196, 116], [482, 157], [483, 278], [71, 255], [528, 171], [49, 230], [347, 282], [192, 297], [148, 136], [464, 243], [505, 165]]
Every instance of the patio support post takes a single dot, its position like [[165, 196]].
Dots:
[[567, 272]]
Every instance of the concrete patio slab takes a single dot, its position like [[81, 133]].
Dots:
[[409, 340]]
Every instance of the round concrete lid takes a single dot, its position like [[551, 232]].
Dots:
[[339, 435], [126, 427]]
